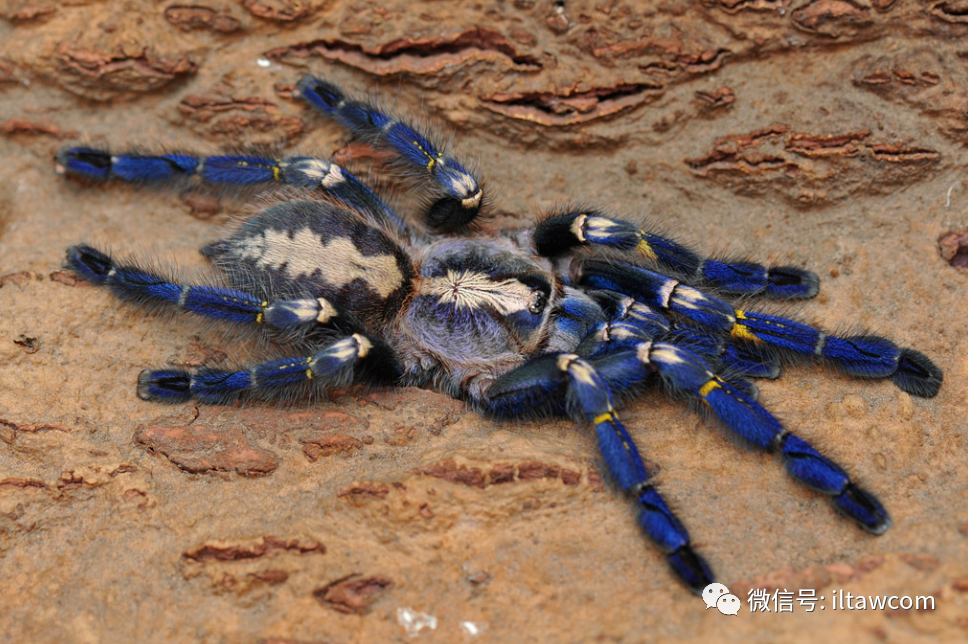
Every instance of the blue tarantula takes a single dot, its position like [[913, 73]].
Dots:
[[565, 318]]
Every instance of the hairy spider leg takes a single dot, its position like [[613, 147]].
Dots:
[[631, 321], [575, 315], [552, 374], [230, 169], [638, 324], [462, 195], [145, 288], [740, 356], [560, 233], [355, 358], [688, 374], [865, 356]]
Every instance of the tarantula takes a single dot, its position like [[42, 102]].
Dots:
[[563, 319]]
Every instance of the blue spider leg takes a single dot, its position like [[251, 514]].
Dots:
[[560, 233], [551, 374], [574, 316], [231, 169], [865, 356], [688, 374], [462, 195], [230, 305], [353, 358], [635, 324], [740, 356], [632, 321]]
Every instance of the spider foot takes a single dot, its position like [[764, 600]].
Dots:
[[691, 568], [167, 386], [863, 507], [89, 263], [917, 375], [791, 283], [101, 165], [667, 532], [807, 465], [86, 163], [871, 356], [775, 282]]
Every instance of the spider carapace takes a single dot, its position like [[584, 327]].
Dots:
[[567, 318]]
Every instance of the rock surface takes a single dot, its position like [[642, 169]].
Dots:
[[823, 133]]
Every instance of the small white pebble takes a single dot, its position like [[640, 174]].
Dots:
[[471, 629], [414, 621], [263, 62]]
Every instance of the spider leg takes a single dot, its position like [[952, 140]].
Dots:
[[739, 356], [688, 374], [575, 315], [631, 320], [553, 374], [231, 169], [632, 323], [617, 336], [460, 195], [145, 288], [606, 319], [561, 233], [866, 356], [355, 358]]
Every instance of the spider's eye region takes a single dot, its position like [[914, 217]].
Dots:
[[539, 300]]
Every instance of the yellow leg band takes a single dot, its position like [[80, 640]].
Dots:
[[743, 333], [709, 386], [646, 250], [607, 416]]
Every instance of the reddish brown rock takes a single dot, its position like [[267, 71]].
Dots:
[[450, 471], [22, 483], [279, 10], [954, 248], [195, 17], [31, 11], [12, 127], [534, 470], [234, 551], [329, 444], [201, 449], [365, 489], [426, 55], [353, 594], [104, 70]]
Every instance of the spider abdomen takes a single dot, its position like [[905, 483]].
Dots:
[[319, 249]]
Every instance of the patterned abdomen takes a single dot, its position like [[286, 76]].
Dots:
[[317, 249]]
